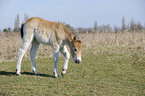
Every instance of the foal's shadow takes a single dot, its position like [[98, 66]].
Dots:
[[26, 73]]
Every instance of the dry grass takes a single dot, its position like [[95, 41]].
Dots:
[[114, 43], [10, 44], [112, 65], [104, 43], [113, 39]]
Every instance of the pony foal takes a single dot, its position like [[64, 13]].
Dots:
[[37, 30]]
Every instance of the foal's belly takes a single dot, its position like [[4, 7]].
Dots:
[[44, 39]]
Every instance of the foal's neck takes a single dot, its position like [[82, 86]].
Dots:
[[69, 36]]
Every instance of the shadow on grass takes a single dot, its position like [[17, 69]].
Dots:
[[7, 73], [26, 73]]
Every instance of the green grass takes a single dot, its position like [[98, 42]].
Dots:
[[105, 73]]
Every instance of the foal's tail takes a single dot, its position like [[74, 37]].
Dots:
[[21, 31]]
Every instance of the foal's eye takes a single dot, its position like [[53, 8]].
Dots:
[[75, 49]]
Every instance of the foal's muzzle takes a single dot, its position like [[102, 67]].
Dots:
[[77, 60]]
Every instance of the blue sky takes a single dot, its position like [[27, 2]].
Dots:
[[78, 13]]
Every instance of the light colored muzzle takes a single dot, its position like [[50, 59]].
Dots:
[[77, 59]]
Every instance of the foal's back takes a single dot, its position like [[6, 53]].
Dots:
[[45, 31]]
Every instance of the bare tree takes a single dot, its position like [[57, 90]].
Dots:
[[109, 29], [95, 27], [116, 29], [139, 27], [16, 24], [128, 27], [9, 29], [132, 25], [123, 24], [104, 28]]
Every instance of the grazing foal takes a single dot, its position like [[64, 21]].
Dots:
[[37, 30]]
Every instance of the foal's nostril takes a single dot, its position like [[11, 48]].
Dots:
[[77, 61]]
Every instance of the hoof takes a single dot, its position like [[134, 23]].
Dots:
[[19, 74], [63, 73], [38, 74], [56, 76]]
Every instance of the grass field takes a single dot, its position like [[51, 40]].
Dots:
[[112, 64]]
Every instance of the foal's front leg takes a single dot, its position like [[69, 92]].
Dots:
[[66, 55], [55, 60]]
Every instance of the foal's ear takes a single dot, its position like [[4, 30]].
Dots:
[[75, 38], [79, 41]]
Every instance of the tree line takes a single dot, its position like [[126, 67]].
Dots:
[[132, 26], [16, 24]]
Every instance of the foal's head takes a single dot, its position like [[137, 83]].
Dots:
[[76, 50]]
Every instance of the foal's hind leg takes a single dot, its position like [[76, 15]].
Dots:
[[33, 51], [24, 47], [55, 59]]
